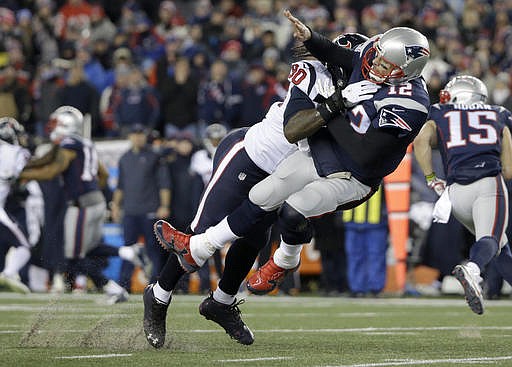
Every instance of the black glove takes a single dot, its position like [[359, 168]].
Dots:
[[332, 106]]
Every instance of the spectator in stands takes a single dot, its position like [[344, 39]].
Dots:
[[72, 19], [15, 99], [101, 26], [231, 54], [79, 93], [135, 103], [219, 97], [141, 199], [187, 185], [177, 91], [258, 94]]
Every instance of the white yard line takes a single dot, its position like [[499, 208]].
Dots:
[[95, 356], [254, 359], [414, 362], [367, 330]]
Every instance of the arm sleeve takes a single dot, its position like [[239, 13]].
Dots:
[[164, 176], [328, 52], [298, 101]]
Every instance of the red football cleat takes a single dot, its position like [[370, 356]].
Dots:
[[178, 242], [267, 278]]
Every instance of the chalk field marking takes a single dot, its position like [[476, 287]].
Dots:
[[413, 362], [254, 359], [95, 356]]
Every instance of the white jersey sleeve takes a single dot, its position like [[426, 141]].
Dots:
[[265, 142], [13, 159]]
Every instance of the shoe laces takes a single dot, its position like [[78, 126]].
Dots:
[[233, 308]]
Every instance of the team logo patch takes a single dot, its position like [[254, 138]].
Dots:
[[242, 176], [415, 51], [390, 119]]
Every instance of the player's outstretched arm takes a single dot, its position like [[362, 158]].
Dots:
[[423, 146], [321, 47], [506, 154]]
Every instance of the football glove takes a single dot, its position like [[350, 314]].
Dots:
[[332, 106], [436, 184], [358, 92]]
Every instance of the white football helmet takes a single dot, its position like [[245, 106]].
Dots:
[[213, 135], [66, 121], [9, 129], [464, 89], [405, 49]]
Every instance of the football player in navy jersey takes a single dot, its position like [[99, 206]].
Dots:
[[243, 158], [476, 149], [361, 144], [76, 159]]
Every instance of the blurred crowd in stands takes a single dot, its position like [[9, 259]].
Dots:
[[176, 67], [126, 62]]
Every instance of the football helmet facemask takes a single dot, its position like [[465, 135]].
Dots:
[[65, 121], [213, 135], [464, 89], [10, 129], [397, 56]]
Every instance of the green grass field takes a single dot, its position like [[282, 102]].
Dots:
[[72, 330]]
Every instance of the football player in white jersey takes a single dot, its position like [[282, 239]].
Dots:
[[13, 159], [244, 157]]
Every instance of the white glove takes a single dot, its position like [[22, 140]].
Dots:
[[358, 92], [436, 184]]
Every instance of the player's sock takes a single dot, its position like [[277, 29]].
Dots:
[[126, 253], [219, 234], [287, 256], [483, 250], [504, 263], [171, 273], [16, 260], [113, 288], [203, 246], [220, 296], [161, 294]]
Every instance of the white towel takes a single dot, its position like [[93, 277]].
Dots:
[[443, 208]]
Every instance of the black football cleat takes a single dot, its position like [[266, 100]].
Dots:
[[155, 314], [227, 316]]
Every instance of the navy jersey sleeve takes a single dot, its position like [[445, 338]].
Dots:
[[328, 52], [298, 101], [164, 176]]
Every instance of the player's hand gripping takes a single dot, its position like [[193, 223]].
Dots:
[[358, 92], [436, 184], [338, 100]]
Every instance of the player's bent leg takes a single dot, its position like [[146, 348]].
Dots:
[[178, 242], [290, 176], [504, 263], [296, 230], [155, 314]]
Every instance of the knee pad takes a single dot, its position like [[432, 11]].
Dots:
[[266, 194], [295, 228]]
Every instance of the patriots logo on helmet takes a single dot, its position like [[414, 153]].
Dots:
[[415, 51], [390, 119]]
